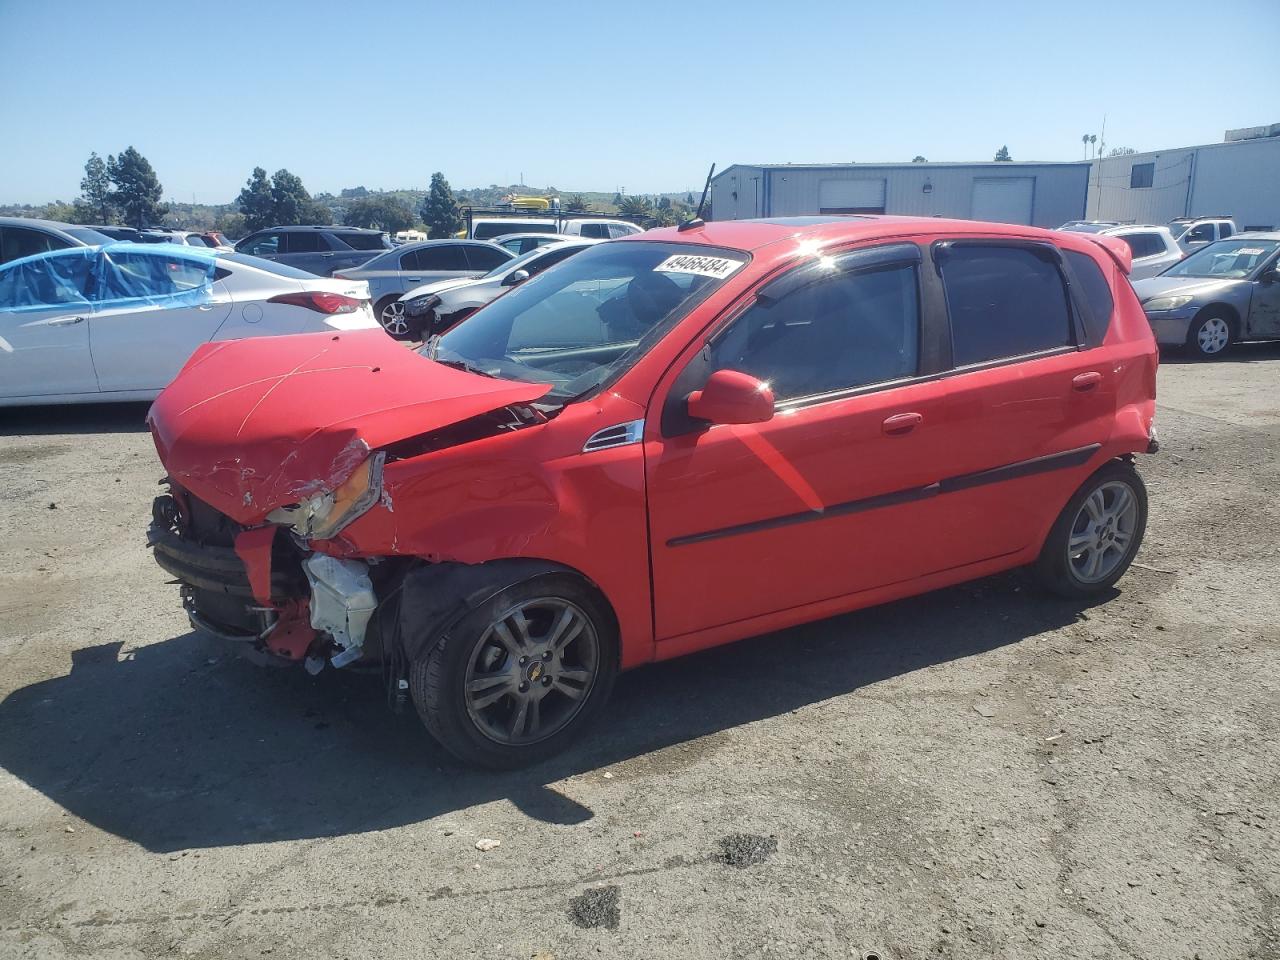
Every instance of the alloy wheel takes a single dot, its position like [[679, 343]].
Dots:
[[532, 671], [393, 319], [1102, 532]]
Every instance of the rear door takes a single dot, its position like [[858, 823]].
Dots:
[[308, 250], [352, 248], [151, 311], [44, 328], [442, 261]]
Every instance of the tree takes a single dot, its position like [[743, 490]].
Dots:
[[231, 224], [439, 210], [617, 199], [664, 203], [576, 203], [137, 191], [379, 213], [918, 159], [256, 204], [61, 212], [292, 204], [688, 199], [635, 207], [1002, 155], [95, 198]]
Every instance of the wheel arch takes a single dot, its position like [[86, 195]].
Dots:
[[435, 596], [1124, 459], [1227, 311]]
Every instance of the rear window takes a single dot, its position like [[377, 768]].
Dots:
[[364, 241], [1003, 302]]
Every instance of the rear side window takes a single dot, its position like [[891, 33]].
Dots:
[[498, 228], [618, 230], [21, 242], [363, 241], [483, 258], [1095, 288], [1144, 244], [848, 331], [1003, 302], [1224, 231], [304, 241], [595, 231]]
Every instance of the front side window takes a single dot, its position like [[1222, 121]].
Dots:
[[21, 242], [1234, 258], [1003, 302], [582, 324], [1201, 234], [840, 332], [59, 280], [1142, 174], [263, 245]]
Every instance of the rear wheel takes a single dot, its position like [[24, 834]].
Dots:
[[1210, 335], [390, 311], [521, 675], [1097, 535]]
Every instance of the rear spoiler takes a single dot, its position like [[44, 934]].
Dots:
[[1118, 249]]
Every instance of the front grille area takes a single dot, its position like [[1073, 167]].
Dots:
[[196, 544]]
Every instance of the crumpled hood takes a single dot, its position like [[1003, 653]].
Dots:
[[440, 286], [1182, 286], [251, 425]]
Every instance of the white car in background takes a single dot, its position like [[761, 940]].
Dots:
[[117, 322], [435, 307], [595, 228], [1154, 248]]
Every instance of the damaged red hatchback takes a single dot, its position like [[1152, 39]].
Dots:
[[665, 443]]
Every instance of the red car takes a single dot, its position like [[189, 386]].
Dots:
[[665, 443]]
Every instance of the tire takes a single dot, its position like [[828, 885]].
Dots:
[[1211, 335], [1081, 533], [474, 661], [393, 321]]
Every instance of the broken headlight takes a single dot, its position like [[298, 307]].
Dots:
[[325, 514], [420, 305]]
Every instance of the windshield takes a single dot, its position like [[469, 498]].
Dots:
[[1178, 229], [589, 318], [1083, 226], [509, 266], [1226, 258]]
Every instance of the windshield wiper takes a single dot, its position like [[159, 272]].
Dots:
[[470, 368]]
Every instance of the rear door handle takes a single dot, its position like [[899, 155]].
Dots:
[[414, 279], [65, 321], [1084, 382], [901, 423]]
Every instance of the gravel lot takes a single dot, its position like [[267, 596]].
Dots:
[[982, 772]]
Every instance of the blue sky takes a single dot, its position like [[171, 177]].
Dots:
[[595, 96]]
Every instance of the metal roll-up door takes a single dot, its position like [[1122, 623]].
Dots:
[[851, 196], [1003, 199]]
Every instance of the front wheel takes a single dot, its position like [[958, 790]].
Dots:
[[1209, 336], [521, 675], [390, 312], [1097, 535]]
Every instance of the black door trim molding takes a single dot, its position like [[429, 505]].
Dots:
[[965, 481]]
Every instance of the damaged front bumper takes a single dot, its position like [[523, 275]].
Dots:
[[258, 586]]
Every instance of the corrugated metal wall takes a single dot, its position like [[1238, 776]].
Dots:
[[1241, 179], [1059, 193]]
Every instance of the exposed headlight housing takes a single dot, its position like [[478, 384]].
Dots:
[[325, 514], [1160, 304], [420, 305]]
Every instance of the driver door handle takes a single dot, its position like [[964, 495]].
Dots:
[[901, 423], [65, 321], [1084, 382]]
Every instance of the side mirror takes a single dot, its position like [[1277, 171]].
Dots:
[[1271, 274], [732, 397], [511, 279]]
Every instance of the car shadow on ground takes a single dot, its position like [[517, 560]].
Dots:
[[74, 418], [1252, 352], [183, 745]]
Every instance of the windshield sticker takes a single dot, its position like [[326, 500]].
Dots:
[[1247, 251], [718, 267]]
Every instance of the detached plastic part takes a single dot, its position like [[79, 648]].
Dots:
[[342, 601]]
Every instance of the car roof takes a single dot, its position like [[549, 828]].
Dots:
[[1256, 235], [441, 241], [755, 234], [321, 226], [555, 237]]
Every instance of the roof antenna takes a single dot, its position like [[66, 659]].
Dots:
[[697, 220]]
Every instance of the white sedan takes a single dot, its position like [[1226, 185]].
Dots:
[[117, 322]]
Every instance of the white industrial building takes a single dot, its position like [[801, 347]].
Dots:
[[1043, 194], [1239, 178]]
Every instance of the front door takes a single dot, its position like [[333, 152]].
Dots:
[[44, 329], [1264, 307]]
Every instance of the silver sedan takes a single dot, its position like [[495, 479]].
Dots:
[[1222, 293], [390, 274]]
